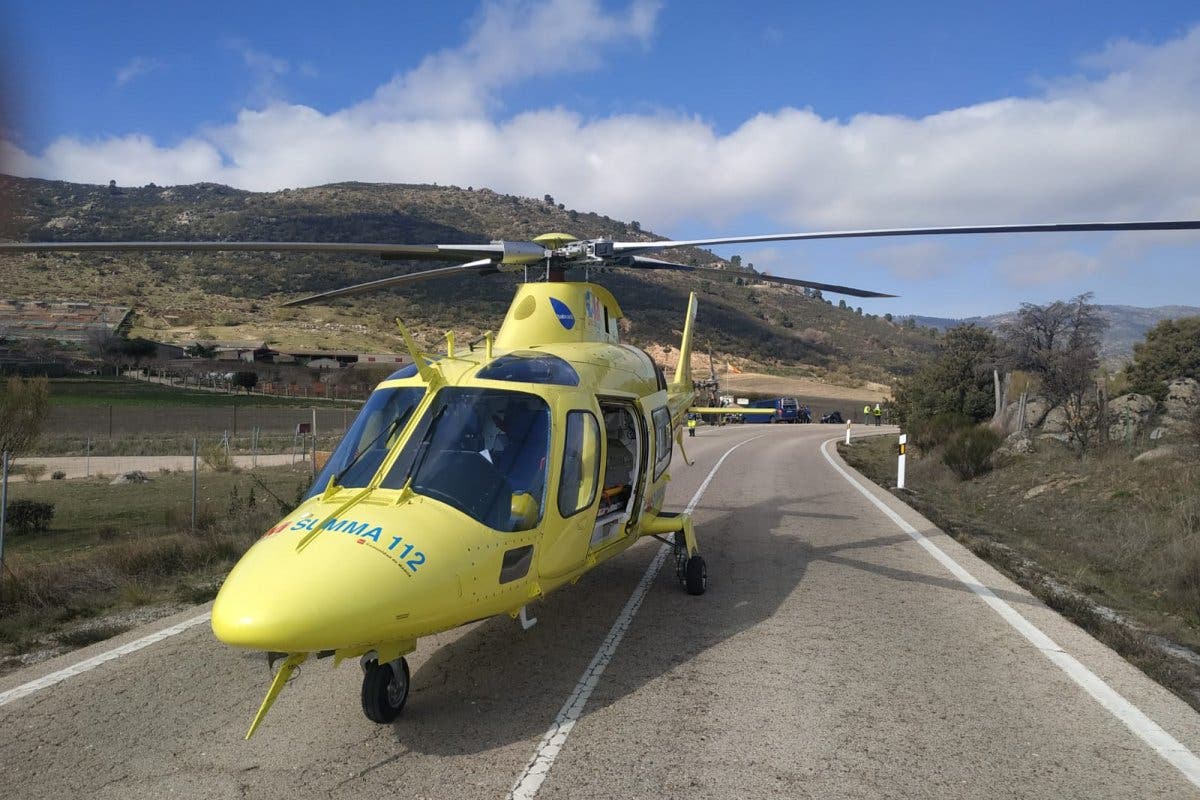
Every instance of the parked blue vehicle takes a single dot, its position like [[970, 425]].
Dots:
[[786, 410]]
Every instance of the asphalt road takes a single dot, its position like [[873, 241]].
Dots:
[[832, 657]]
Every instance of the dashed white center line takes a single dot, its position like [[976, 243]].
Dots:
[[535, 773]]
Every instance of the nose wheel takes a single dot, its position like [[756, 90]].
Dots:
[[384, 689]]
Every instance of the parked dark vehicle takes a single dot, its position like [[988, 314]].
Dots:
[[834, 417], [786, 410]]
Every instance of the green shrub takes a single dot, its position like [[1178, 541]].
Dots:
[[29, 516], [926, 434], [969, 452]]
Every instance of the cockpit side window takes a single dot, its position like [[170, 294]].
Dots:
[[581, 464], [662, 440]]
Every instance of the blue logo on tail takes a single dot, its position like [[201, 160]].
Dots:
[[563, 312]]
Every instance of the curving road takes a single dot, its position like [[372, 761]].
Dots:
[[834, 656]]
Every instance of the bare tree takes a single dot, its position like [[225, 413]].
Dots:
[[106, 346], [24, 405], [1060, 343]]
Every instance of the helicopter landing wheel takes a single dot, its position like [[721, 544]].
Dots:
[[384, 689], [681, 558], [695, 575]]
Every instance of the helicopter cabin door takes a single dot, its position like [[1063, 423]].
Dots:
[[625, 459]]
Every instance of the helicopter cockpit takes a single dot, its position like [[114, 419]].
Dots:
[[483, 452]]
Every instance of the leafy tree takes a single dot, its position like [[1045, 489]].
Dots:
[[137, 351], [1171, 350], [245, 379], [105, 345], [24, 406], [958, 381], [201, 350]]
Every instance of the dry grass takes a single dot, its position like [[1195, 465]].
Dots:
[[116, 548]]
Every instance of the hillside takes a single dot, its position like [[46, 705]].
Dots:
[[228, 297], [1127, 325]]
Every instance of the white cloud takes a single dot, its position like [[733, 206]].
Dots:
[[513, 41], [136, 67], [1039, 267], [265, 71], [917, 260], [1116, 143]]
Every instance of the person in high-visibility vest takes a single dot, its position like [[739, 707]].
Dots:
[[691, 426], [867, 414], [878, 412]]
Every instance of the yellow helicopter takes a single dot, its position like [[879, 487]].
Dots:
[[475, 481]]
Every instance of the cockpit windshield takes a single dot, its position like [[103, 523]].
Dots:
[[366, 444], [483, 452]]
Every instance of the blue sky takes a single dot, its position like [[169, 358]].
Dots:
[[692, 119]]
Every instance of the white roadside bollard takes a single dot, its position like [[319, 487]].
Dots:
[[847, 431], [900, 461]]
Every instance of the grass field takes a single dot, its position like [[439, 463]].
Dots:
[[1088, 537], [112, 550]]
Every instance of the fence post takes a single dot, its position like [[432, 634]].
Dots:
[[195, 472], [3, 511], [900, 462]]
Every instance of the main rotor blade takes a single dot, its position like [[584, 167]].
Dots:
[[655, 263], [434, 252], [626, 248], [484, 266]]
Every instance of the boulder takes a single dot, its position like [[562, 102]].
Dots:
[[1162, 453], [1183, 399], [1129, 417], [1036, 410], [1017, 444], [135, 476], [1055, 420]]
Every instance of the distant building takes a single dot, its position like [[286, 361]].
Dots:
[[62, 321]]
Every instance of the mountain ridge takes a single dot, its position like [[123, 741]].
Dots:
[[1127, 325], [184, 297]]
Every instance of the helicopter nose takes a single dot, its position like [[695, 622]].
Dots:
[[336, 591]]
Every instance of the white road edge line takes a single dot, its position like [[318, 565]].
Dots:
[[535, 773], [1141, 725], [26, 689]]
